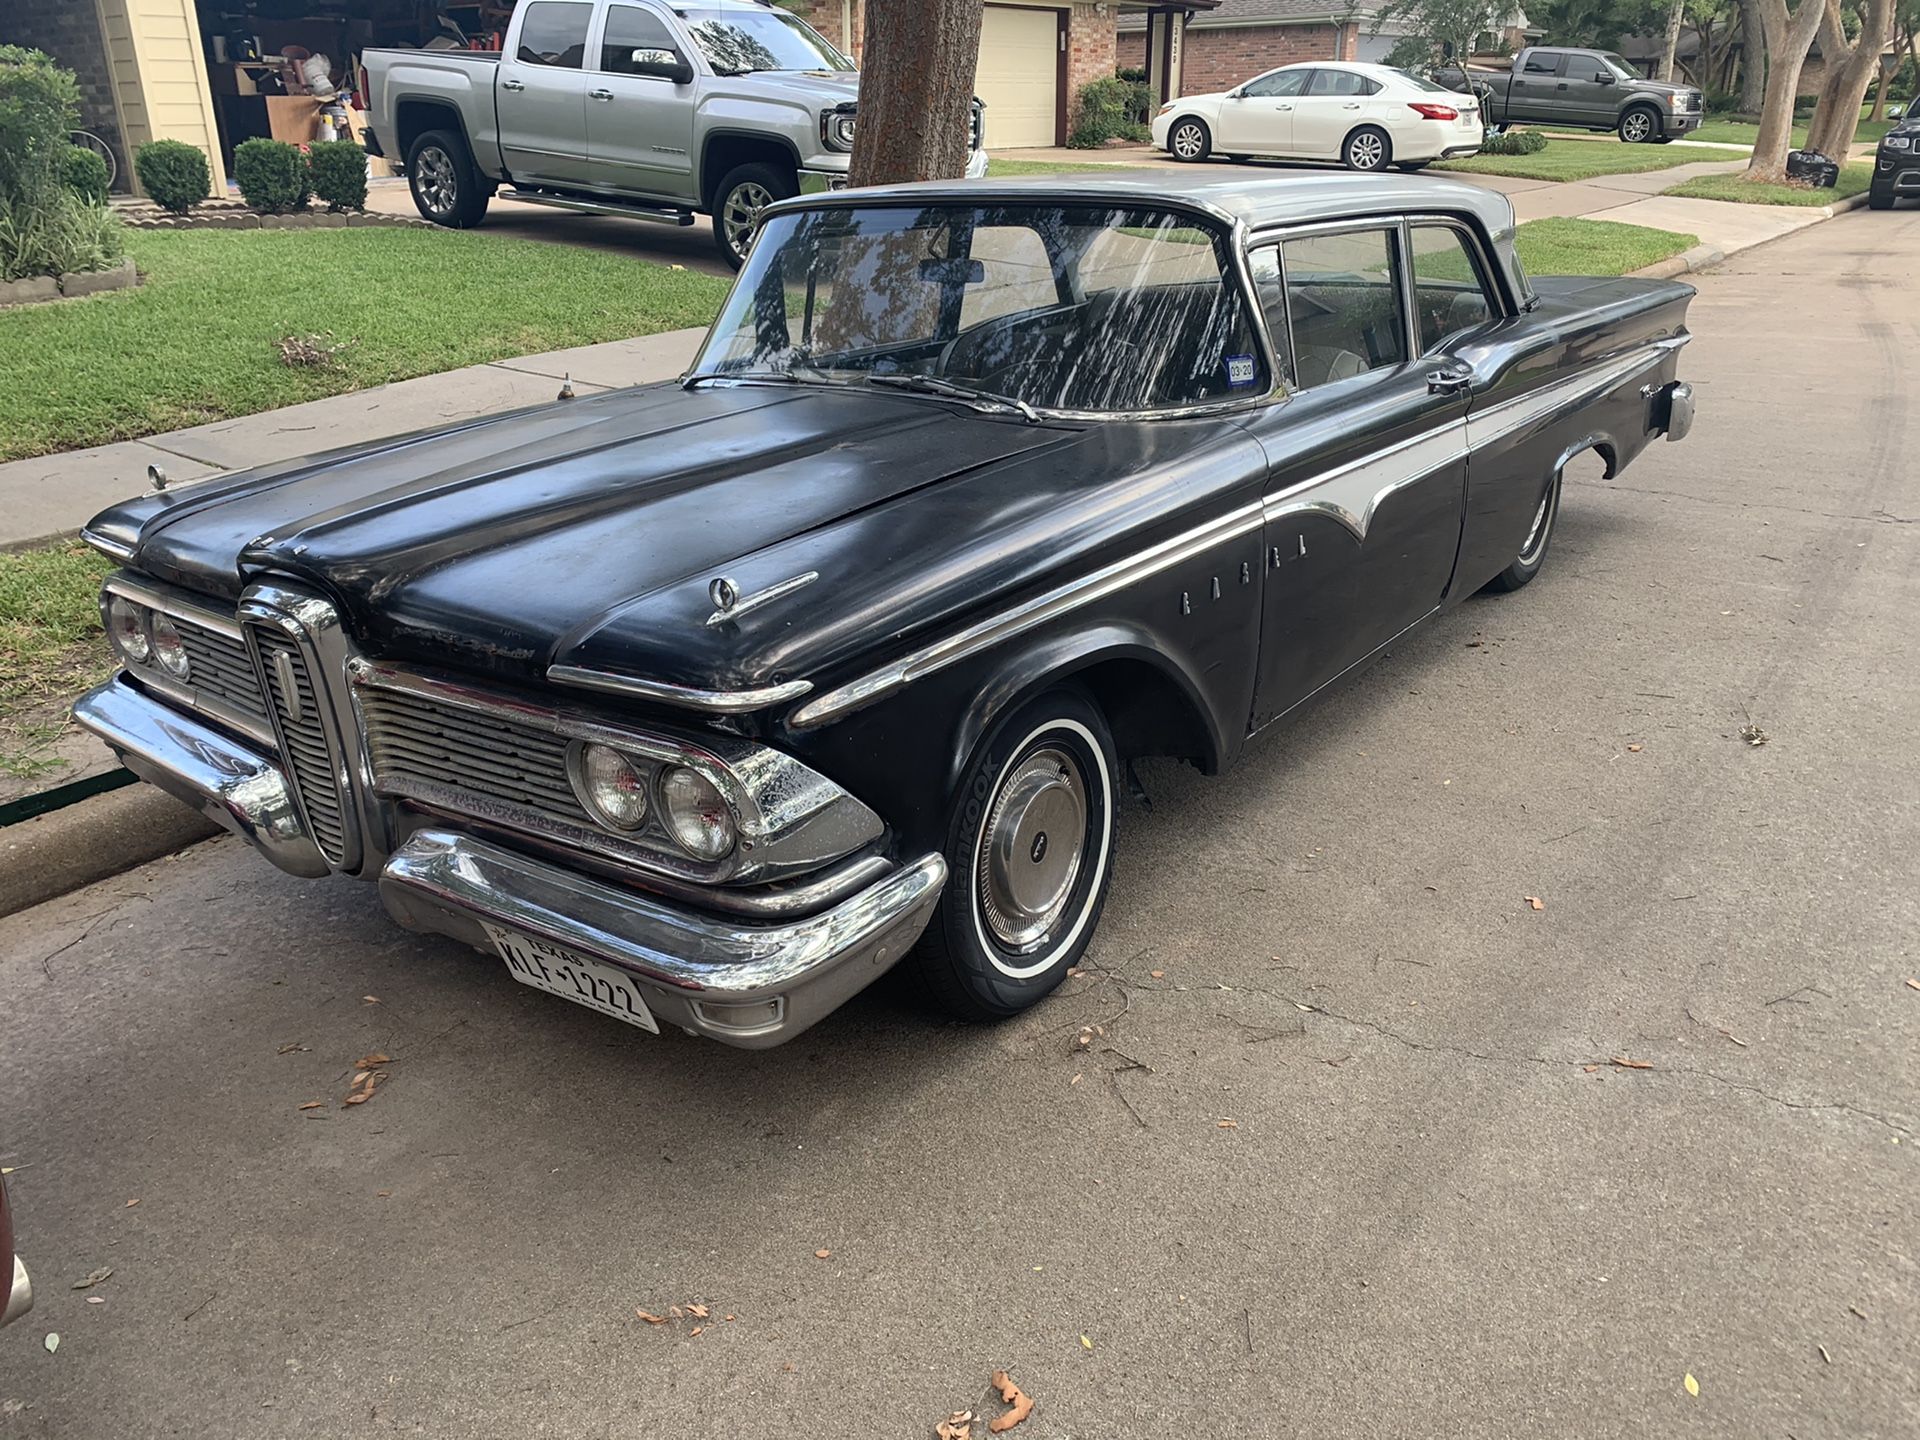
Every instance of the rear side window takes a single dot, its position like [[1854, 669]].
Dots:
[[629, 28], [1344, 304], [1280, 83], [1450, 291], [1544, 62], [554, 33], [1342, 82]]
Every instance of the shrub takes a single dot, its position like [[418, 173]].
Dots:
[[58, 236], [1110, 109], [1514, 142], [173, 173], [338, 172], [39, 107], [272, 176], [87, 174]]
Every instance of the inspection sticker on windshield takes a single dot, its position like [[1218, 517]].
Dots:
[[1240, 370]]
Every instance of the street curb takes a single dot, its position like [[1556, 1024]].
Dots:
[[53, 854], [1700, 257]]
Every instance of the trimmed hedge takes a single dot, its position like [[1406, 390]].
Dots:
[[272, 176], [1110, 109], [1514, 142], [173, 173], [337, 170], [87, 174]]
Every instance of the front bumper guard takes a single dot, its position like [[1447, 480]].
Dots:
[[746, 984]]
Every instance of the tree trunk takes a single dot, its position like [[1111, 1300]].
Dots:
[[916, 90], [1753, 58], [1849, 71], [1880, 94], [1672, 42], [1789, 37]]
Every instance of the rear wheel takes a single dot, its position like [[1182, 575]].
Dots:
[[1639, 125], [1533, 553], [1189, 140], [744, 192], [446, 188], [1367, 149], [1029, 854]]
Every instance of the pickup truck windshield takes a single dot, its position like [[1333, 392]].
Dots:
[[1059, 307], [1619, 67], [738, 43]]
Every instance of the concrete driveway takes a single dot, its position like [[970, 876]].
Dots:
[[1367, 1145]]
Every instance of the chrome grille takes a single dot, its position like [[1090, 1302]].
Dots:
[[1693, 100], [221, 669], [303, 738], [413, 738]]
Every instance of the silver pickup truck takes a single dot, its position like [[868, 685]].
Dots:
[[655, 110]]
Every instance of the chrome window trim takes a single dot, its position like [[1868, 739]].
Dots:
[[1483, 265], [1394, 226]]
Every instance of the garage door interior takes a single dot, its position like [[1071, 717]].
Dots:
[[1019, 76]]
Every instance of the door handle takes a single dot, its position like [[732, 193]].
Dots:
[[1449, 382], [599, 94], [1286, 106], [513, 85], [1351, 105], [1563, 85]]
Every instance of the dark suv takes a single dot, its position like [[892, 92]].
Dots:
[[1896, 168]]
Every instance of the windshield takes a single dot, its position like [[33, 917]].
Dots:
[[1619, 67], [1061, 307], [739, 42]]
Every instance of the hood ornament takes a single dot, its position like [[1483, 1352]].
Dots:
[[156, 477], [729, 604]]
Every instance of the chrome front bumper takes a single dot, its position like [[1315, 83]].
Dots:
[[747, 984], [20, 1297], [819, 182]]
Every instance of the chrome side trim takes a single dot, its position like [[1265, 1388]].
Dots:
[[1352, 493], [746, 604], [112, 549], [986, 633], [685, 697], [1499, 421]]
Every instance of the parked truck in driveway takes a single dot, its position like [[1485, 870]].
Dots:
[[627, 107], [1581, 90]]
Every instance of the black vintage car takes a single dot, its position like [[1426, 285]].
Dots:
[[703, 702], [1896, 165]]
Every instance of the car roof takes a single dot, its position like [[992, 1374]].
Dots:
[[1256, 201]]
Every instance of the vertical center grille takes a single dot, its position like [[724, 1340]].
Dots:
[[302, 727]]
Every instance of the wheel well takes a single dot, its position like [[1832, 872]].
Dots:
[[727, 151], [413, 118], [1148, 712], [1380, 130]]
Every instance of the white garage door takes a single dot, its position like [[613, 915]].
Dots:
[[1019, 63]]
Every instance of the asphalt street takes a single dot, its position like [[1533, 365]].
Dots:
[[1354, 1153]]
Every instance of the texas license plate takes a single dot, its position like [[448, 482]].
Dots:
[[560, 971]]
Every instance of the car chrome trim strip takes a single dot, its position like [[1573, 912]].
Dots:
[[746, 604], [1352, 492], [1499, 421], [112, 549], [684, 697]]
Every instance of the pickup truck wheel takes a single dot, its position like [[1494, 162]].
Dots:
[[1639, 125], [1367, 148], [1533, 553], [1189, 140], [446, 188], [1029, 854], [743, 194]]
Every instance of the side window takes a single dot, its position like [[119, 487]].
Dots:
[[1449, 288], [1271, 292], [1543, 62], [1280, 83], [1016, 275], [554, 32], [1341, 82], [629, 28], [1343, 296]]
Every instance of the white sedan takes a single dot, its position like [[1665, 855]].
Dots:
[[1365, 116]]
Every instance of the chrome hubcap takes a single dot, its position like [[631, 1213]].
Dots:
[[1637, 127], [740, 216], [1186, 142], [1367, 152], [1031, 847], [433, 178], [1537, 532]]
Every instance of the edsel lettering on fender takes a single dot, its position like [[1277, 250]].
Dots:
[[705, 703]]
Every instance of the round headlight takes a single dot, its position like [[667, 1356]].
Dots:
[[613, 788], [167, 646], [696, 814], [127, 629]]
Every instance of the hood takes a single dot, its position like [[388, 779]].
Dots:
[[810, 90], [1656, 87]]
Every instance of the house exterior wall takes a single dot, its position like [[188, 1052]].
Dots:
[[1090, 52], [159, 77], [1218, 57], [70, 33]]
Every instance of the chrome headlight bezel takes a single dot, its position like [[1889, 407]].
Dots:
[[126, 626], [837, 128]]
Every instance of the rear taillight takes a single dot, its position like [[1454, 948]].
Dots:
[[1434, 112]]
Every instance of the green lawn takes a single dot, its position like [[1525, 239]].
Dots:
[[1728, 131], [51, 647], [1853, 179], [997, 168], [196, 342], [1563, 246], [1584, 159]]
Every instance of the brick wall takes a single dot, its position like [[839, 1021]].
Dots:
[[1219, 59], [826, 17], [1090, 52], [1130, 50], [69, 31]]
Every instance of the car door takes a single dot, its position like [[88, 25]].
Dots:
[[1366, 483], [1587, 90], [1536, 85], [1258, 118], [639, 111], [542, 103], [1333, 103]]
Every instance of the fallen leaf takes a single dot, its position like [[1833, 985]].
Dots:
[[699, 1312], [291, 1047], [1693, 1385], [823, 1254], [1821, 1348], [673, 1312], [1534, 902], [53, 1341], [651, 1319], [1076, 1079], [371, 999], [1627, 1062], [383, 1194], [1013, 1395], [373, 1061], [94, 1277], [1085, 1343], [727, 1317], [957, 1426], [131, 1203], [1226, 1124], [1635, 749], [358, 1097], [312, 1105], [1157, 974], [361, 1077], [1589, 1068], [1074, 972], [697, 1329], [96, 1299]]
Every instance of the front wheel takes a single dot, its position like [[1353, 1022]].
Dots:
[[1189, 140], [745, 191], [1878, 198], [1367, 149], [446, 188], [1533, 553], [1638, 126], [1029, 855]]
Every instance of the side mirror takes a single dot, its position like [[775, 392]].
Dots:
[[1603, 77], [661, 65]]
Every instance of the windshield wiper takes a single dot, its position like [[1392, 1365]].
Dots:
[[928, 385]]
